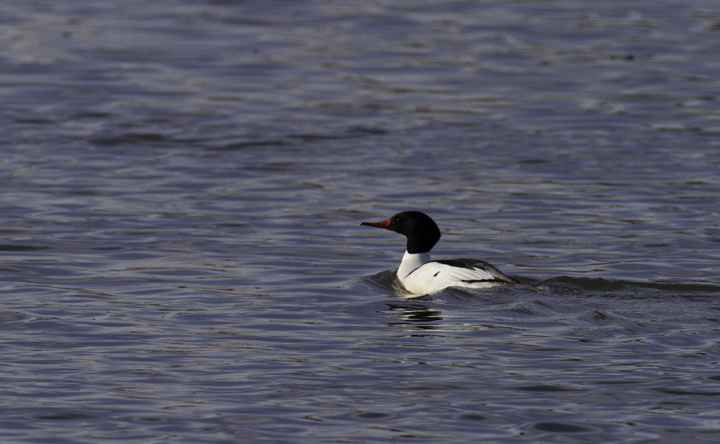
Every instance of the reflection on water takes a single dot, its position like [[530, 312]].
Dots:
[[417, 315]]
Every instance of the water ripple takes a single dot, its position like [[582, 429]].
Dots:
[[183, 185]]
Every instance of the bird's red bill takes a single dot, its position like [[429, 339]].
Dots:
[[384, 224]]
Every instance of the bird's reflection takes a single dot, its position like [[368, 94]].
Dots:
[[416, 314]]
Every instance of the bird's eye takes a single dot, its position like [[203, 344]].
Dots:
[[397, 220]]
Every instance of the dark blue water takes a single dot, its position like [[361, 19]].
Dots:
[[183, 184]]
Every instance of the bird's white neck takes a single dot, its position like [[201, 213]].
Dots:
[[410, 262]]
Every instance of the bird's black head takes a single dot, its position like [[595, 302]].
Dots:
[[421, 231]]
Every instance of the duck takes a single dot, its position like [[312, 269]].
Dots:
[[420, 275]]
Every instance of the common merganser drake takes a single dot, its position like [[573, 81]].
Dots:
[[420, 275]]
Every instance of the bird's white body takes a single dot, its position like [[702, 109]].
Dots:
[[421, 276]]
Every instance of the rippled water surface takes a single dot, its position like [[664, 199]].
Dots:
[[183, 184]]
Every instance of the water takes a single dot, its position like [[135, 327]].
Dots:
[[183, 185]]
